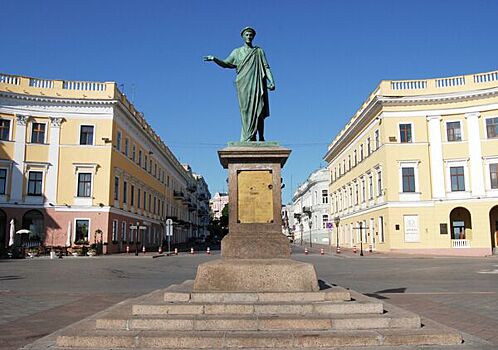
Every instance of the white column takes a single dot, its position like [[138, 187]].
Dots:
[[19, 157], [53, 160], [475, 155], [436, 154]]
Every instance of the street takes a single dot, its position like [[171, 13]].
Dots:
[[39, 296]]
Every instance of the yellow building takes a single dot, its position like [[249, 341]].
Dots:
[[415, 170], [80, 165]]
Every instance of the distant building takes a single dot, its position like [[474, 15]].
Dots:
[[309, 212], [80, 165], [415, 170], [217, 203]]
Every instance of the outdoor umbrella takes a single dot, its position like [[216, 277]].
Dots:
[[68, 240], [12, 230]]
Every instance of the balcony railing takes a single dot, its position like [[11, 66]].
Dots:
[[460, 243]]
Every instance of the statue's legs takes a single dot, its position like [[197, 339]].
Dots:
[[261, 128]]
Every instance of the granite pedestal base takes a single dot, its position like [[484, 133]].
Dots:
[[256, 275]]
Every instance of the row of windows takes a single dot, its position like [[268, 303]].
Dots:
[[345, 197], [38, 131], [356, 157]]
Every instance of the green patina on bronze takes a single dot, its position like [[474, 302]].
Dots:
[[253, 81]]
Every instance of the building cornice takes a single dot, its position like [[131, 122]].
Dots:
[[55, 100]]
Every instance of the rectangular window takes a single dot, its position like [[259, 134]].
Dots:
[[133, 152], [150, 166], [123, 231], [493, 175], [132, 195], [145, 162], [116, 188], [405, 133], [381, 229], [379, 183], [82, 229], [492, 127], [38, 133], [86, 135], [370, 187], [361, 153], [325, 197], [325, 219], [125, 191], [369, 147], [155, 169], [139, 158], [357, 194], [35, 179], [114, 230], [408, 175], [145, 200], [377, 140], [84, 185], [4, 129], [457, 178], [139, 198], [118, 141], [150, 203], [126, 146], [355, 158], [363, 191], [3, 181], [453, 131], [350, 198]]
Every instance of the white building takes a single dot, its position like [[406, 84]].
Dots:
[[217, 203], [309, 211]]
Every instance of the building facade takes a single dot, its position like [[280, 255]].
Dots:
[[309, 212], [217, 203], [80, 165], [415, 170]]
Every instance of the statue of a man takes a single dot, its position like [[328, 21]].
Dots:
[[254, 79]]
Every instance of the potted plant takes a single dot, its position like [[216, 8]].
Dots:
[[92, 251]]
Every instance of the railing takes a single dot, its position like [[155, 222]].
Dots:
[[41, 83], [485, 77], [409, 85], [83, 85], [447, 82], [10, 79], [460, 243]]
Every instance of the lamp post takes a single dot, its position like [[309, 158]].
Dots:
[[361, 238], [337, 220], [307, 211], [136, 240]]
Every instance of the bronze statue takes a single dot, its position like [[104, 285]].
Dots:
[[254, 79]]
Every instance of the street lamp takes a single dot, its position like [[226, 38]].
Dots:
[[361, 238], [307, 211], [337, 220]]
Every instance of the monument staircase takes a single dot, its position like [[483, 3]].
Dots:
[[179, 318]]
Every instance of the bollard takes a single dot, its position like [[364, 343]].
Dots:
[[192, 251], [208, 250], [176, 251], [305, 251], [143, 249], [160, 250], [338, 250], [128, 249], [322, 251], [354, 249], [369, 248]]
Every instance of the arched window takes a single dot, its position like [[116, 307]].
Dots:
[[33, 221]]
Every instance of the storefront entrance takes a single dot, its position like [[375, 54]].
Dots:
[[3, 230], [461, 228]]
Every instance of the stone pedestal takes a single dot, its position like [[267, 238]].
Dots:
[[255, 252]]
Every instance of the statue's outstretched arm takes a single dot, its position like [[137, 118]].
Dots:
[[219, 62]]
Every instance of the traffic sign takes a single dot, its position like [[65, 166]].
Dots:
[[142, 227], [133, 227], [329, 225], [169, 227]]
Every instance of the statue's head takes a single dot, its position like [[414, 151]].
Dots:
[[248, 29]]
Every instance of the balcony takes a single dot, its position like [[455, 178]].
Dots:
[[178, 194], [460, 243]]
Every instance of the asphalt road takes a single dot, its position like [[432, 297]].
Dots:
[[39, 296]]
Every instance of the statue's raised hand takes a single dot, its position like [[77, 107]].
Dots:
[[208, 58], [271, 86]]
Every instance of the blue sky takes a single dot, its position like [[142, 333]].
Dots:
[[326, 57]]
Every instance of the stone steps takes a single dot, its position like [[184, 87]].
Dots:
[[257, 339], [260, 323], [178, 318]]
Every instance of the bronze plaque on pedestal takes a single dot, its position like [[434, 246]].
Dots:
[[255, 196]]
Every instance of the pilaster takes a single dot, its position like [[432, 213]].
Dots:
[[53, 159], [475, 154], [19, 158], [436, 154]]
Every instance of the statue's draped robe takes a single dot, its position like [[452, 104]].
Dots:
[[252, 89]]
